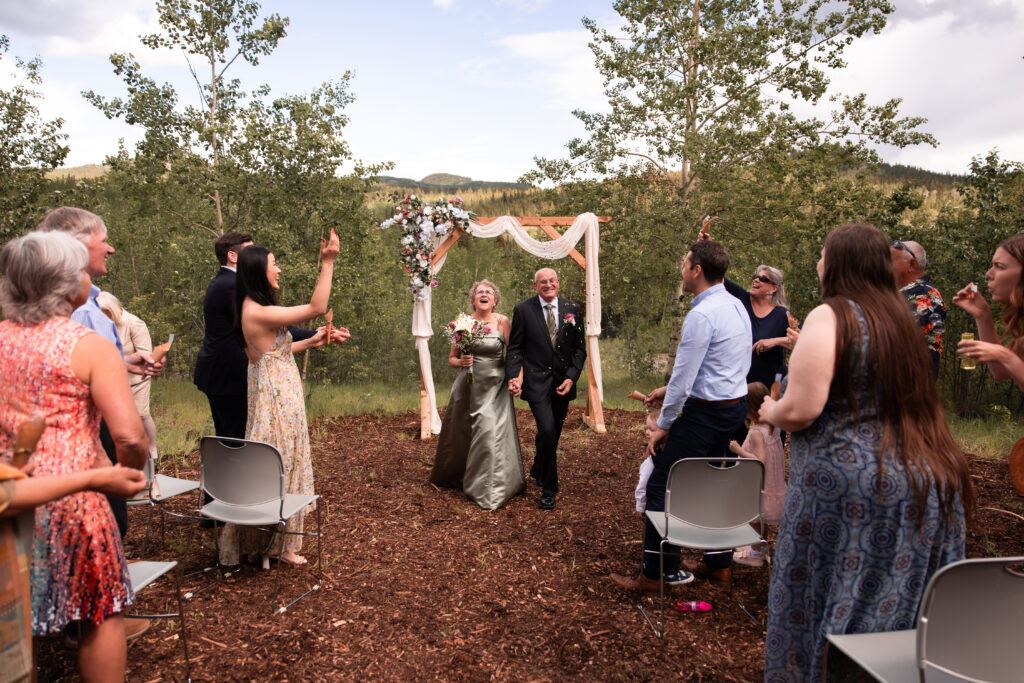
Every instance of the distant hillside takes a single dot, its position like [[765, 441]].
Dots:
[[78, 172], [445, 179], [463, 183], [918, 176]]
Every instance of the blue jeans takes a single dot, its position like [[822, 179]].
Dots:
[[702, 430]]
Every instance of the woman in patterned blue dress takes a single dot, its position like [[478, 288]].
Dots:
[[877, 485]]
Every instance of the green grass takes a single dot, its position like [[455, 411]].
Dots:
[[991, 437], [182, 413]]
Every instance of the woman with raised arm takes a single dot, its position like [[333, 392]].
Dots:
[[1006, 284], [478, 448], [57, 369], [277, 411], [878, 486]]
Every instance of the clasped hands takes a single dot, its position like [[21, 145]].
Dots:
[[142, 363], [515, 387], [658, 436]]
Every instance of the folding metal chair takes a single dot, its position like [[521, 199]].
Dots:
[[246, 481], [709, 504], [143, 574], [968, 629], [160, 489]]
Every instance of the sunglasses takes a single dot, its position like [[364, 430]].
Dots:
[[764, 278], [900, 245]]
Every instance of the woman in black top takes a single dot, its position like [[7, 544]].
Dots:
[[769, 319]]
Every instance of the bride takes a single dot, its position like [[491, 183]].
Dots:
[[478, 448]]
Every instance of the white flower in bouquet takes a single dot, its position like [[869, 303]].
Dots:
[[427, 225]]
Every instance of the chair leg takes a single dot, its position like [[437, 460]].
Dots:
[[280, 561], [181, 621], [319, 546]]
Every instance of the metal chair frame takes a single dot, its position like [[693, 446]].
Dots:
[[169, 487], [716, 500], [247, 497], [968, 627]]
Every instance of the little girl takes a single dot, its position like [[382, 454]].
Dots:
[[764, 443], [646, 467]]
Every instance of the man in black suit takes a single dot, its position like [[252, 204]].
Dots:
[[222, 367], [547, 343]]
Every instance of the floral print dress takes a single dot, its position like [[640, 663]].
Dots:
[[78, 569], [277, 416]]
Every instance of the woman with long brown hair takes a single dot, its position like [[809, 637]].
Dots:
[[1006, 284], [878, 486]]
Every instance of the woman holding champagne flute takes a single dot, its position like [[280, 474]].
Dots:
[[1006, 285]]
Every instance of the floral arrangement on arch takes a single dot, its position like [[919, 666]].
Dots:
[[422, 226]]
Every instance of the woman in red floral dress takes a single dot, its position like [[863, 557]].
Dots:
[[54, 368]]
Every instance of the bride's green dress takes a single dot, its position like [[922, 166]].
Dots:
[[478, 449]]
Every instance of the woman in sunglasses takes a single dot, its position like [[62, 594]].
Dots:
[[770, 318], [766, 305]]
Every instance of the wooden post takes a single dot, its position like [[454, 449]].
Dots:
[[424, 410], [593, 417]]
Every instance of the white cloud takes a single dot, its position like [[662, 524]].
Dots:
[[967, 80], [526, 5], [83, 30], [444, 4], [556, 66]]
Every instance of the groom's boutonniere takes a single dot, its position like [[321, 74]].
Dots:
[[569, 319]]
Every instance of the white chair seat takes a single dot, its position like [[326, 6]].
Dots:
[[888, 656], [269, 513], [172, 486], [144, 572], [683, 533]]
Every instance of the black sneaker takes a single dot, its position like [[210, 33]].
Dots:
[[678, 578]]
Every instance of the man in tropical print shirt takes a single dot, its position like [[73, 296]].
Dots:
[[909, 261]]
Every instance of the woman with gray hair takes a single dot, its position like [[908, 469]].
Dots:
[[478, 448], [54, 368]]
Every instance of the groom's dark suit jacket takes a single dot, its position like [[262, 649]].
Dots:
[[544, 367], [222, 366]]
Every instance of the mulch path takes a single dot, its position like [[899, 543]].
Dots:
[[421, 584]]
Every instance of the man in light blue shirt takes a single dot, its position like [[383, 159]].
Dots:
[[89, 229], [703, 403]]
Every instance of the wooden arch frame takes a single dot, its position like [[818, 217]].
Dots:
[[593, 417]]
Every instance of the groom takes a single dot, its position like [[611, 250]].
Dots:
[[547, 345]]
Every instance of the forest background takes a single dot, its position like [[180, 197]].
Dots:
[[699, 123]]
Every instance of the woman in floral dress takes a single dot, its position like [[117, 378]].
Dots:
[[277, 412], [878, 487], [54, 368]]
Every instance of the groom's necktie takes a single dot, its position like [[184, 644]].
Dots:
[[552, 326]]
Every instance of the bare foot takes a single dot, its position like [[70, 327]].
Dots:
[[293, 558]]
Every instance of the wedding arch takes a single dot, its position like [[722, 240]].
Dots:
[[559, 246]]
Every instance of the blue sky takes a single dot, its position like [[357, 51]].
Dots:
[[478, 87]]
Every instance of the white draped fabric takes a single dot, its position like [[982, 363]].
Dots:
[[585, 225]]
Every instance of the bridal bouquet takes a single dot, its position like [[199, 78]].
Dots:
[[463, 332], [423, 225]]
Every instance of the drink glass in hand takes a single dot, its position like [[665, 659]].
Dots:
[[966, 362]]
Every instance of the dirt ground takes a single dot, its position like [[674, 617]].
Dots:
[[421, 584]]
